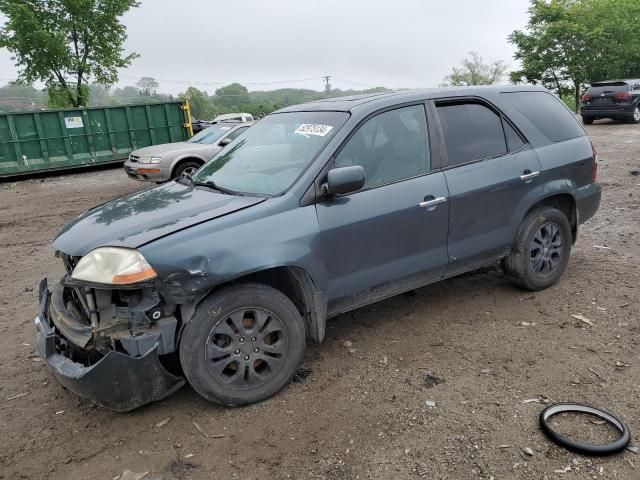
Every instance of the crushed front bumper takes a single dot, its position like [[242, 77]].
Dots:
[[116, 381]]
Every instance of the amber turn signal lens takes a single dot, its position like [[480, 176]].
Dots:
[[141, 276]]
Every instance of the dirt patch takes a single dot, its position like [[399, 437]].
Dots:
[[445, 382]]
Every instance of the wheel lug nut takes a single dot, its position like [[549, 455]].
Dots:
[[253, 339], [246, 357], [241, 339], [237, 352], [256, 350]]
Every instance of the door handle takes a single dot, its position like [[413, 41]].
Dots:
[[528, 175], [432, 203]]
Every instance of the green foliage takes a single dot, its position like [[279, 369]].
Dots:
[[232, 96], [147, 86], [64, 43], [475, 72], [21, 96], [569, 44], [201, 106]]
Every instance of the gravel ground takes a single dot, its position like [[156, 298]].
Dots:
[[435, 384]]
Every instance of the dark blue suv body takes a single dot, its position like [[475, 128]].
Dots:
[[316, 210]]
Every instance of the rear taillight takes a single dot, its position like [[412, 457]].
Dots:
[[595, 161], [587, 98], [623, 96]]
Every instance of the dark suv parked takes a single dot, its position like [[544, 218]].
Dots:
[[318, 209], [615, 99]]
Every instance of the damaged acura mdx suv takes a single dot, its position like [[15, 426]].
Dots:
[[220, 278]]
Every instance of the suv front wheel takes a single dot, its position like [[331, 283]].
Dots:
[[243, 344], [541, 251]]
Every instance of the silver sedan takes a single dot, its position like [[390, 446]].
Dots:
[[159, 163]]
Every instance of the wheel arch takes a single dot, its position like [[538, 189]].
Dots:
[[295, 283], [186, 158], [563, 201]]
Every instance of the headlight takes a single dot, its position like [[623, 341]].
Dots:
[[149, 159], [113, 265]]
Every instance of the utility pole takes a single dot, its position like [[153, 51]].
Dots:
[[327, 86]]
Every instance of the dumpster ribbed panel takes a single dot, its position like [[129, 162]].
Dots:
[[58, 139]]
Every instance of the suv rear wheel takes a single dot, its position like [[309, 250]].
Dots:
[[243, 344], [587, 120], [542, 250], [636, 115]]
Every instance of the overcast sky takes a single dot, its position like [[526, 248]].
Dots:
[[361, 43]]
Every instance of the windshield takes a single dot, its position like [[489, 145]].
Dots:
[[210, 135], [268, 157]]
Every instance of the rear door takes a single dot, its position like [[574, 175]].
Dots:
[[391, 236], [489, 168]]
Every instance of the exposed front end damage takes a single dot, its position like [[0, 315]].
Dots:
[[114, 346]]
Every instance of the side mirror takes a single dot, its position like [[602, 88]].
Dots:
[[343, 180], [225, 141]]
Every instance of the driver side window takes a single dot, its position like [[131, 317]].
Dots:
[[390, 147]]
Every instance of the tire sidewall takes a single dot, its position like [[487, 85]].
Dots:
[[530, 227], [214, 309]]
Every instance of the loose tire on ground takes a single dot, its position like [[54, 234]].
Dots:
[[189, 167], [243, 344], [529, 254]]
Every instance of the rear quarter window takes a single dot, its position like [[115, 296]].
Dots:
[[547, 113]]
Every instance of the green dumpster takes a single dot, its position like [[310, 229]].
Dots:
[[58, 139]]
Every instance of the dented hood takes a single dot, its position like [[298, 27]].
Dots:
[[144, 216]]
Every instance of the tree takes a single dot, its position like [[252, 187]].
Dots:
[[66, 43], [475, 72], [147, 86], [20, 96], [201, 106], [99, 94], [125, 94], [569, 44], [232, 96]]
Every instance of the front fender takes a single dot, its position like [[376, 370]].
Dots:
[[200, 258]]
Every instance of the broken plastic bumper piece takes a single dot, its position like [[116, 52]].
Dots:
[[116, 381]]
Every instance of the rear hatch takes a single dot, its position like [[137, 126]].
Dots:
[[605, 95]]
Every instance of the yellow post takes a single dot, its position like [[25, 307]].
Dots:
[[187, 108]]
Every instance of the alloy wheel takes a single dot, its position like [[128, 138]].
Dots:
[[545, 252], [246, 349], [189, 171]]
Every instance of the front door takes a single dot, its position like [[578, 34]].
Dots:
[[391, 236]]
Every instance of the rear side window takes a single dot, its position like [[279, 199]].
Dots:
[[471, 132], [236, 133], [547, 113]]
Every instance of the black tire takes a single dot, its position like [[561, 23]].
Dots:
[[587, 120], [635, 118], [186, 166], [243, 367], [535, 262]]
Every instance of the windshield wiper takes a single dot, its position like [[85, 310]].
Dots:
[[211, 184]]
